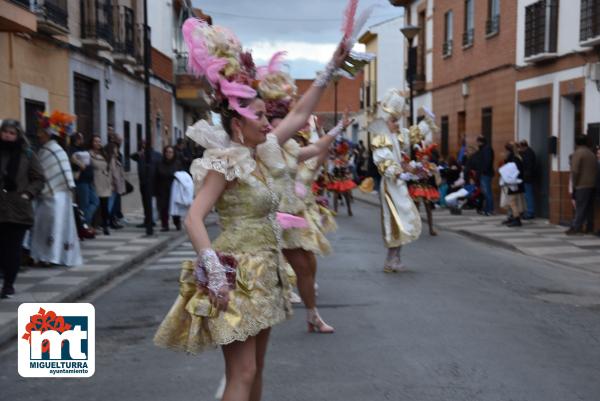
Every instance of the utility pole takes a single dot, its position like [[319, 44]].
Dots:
[[147, 197]]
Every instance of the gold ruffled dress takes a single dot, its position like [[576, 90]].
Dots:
[[249, 233], [283, 165]]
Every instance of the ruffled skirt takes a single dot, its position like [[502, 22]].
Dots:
[[423, 192], [342, 185], [310, 238], [260, 300]]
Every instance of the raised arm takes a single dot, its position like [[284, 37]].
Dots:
[[297, 117], [322, 145]]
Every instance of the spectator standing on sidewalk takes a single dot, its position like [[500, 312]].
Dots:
[[513, 187], [583, 175], [183, 153], [485, 169], [54, 237], [146, 178], [83, 173], [165, 174], [102, 180], [529, 163], [117, 182], [21, 179]]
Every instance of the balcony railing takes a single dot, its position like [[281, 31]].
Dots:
[[23, 3], [97, 23], [181, 62], [468, 37], [124, 39], [590, 22], [447, 48], [541, 28], [492, 26], [53, 16]]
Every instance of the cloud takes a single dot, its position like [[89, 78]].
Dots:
[[309, 29]]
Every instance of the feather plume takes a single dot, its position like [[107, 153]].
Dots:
[[213, 67], [276, 61], [349, 15], [234, 89], [234, 104], [360, 23]]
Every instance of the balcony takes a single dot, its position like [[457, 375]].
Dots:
[[138, 53], [16, 16], [124, 40], [468, 37], [97, 28], [589, 33], [401, 3], [419, 82], [492, 26], [53, 16], [541, 30], [447, 48]]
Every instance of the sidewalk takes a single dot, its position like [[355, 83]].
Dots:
[[104, 258], [536, 237]]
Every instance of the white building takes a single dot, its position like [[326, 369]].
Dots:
[[557, 87], [386, 71]]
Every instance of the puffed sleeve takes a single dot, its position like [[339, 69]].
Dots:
[[383, 157], [233, 162]]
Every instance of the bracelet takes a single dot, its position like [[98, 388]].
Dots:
[[324, 77]]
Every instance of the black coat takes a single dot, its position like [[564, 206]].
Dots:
[[486, 161], [165, 174], [528, 156]]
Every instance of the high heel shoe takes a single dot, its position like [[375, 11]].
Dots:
[[317, 325]]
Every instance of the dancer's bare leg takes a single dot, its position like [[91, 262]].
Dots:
[[262, 340], [300, 261], [240, 369], [347, 197], [428, 209]]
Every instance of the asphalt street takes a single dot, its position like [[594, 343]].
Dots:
[[466, 322]]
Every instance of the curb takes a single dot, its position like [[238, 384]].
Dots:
[[9, 331], [487, 240]]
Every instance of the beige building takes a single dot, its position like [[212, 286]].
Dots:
[[35, 75]]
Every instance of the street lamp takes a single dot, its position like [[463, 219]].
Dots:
[[409, 32]]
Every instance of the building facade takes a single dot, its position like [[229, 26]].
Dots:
[[35, 53], [557, 90]]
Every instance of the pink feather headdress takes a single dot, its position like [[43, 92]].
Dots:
[[276, 87], [216, 54]]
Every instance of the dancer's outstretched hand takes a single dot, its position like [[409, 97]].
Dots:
[[340, 54]]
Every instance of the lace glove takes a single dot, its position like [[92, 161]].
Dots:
[[338, 129], [215, 272]]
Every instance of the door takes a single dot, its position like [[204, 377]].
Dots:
[[540, 134], [32, 110], [84, 106]]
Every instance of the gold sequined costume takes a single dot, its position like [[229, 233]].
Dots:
[[250, 233]]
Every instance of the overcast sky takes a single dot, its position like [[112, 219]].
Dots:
[[307, 29]]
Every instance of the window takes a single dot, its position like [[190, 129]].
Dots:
[[590, 20], [541, 27], [422, 49], [492, 24], [469, 30], [448, 25], [486, 124], [32, 110], [445, 129]]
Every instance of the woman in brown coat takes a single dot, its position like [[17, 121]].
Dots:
[[21, 179], [102, 179]]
